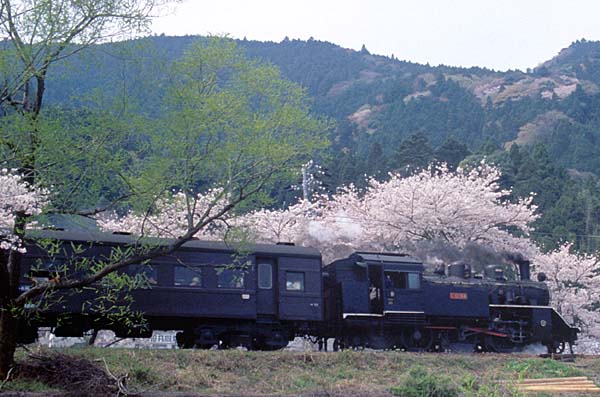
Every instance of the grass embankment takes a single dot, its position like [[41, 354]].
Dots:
[[344, 373]]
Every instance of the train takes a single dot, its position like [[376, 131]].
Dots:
[[265, 295]]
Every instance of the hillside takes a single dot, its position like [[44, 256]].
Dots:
[[392, 113], [380, 99]]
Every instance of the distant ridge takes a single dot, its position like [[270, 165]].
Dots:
[[383, 100]]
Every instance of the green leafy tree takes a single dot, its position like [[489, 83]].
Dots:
[[232, 125], [36, 35], [414, 153], [376, 162], [451, 152]]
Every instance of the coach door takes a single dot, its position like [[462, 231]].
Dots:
[[266, 291]]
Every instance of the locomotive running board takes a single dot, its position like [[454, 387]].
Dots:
[[385, 314], [522, 306], [362, 315], [401, 312]]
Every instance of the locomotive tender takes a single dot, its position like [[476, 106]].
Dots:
[[262, 299]]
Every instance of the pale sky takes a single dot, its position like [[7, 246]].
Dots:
[[498, 34]]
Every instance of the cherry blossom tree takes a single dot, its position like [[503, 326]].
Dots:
[[18, 202], [17, 199], [466, 206], [459, 208], [173, 215], [279, 225], [574, 282]]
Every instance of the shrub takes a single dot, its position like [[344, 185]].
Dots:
[[422, 383]]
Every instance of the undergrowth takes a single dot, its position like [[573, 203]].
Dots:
[[365, 373]]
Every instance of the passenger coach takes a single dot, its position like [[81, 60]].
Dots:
[[211, 292]]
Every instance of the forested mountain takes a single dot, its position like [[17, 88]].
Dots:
[[541, 126]]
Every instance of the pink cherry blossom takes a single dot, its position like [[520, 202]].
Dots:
[[574, 282], [17, 197], [173, 215]]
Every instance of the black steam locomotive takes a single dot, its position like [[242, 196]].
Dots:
[[262, 300]]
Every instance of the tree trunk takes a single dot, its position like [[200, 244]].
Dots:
[[93, 337], [10, 272], [8, 341]]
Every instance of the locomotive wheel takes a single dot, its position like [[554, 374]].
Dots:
[[337, 345], [441, 342], [184, 340], [235, 340], [358, 343], [557, 347], [500, 345], [416, 339]]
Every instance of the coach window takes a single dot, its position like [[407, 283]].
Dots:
[[150, 272], [265, 276], [294, 281], [56, 265], [188, 276], [230, 277]]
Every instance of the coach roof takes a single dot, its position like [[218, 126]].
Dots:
[[201, 245]]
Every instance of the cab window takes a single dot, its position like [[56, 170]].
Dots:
[[414, 281], [402, 280]]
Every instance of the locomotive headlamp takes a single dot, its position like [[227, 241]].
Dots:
[[543, 323], [542, 277]]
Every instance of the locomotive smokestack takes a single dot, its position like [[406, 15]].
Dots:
[[524, 269], [523, 263]]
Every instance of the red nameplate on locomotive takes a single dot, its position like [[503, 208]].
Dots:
[[459, 296]]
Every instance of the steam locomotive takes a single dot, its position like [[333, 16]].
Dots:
[[216, 296]]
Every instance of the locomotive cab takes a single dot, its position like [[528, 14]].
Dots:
[[369, 294], [377, 285]]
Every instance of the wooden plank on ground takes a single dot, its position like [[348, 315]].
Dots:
[[575, 384], [578, 383]]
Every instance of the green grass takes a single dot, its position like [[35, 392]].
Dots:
[[424, 383], [27, 385], [343, 373], [535, 368]]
